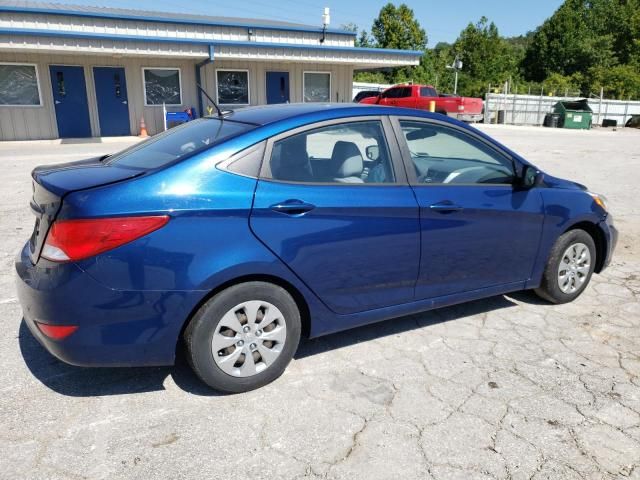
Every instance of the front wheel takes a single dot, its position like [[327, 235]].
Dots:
[[569, 268], [244, 337]]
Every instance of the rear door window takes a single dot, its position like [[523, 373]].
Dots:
[[178, 143], [345, 153], [428, 92]]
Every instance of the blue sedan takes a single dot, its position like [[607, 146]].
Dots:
[[241, 233]]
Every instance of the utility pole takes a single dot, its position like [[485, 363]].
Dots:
[[456, 66]]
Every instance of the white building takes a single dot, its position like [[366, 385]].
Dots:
[[69, 71]]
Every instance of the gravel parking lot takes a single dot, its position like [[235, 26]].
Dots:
[[508, 387]]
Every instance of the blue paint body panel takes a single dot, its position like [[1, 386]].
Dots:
[[493, 219], [70, 101], [365, 253], [113, 102], [277, 87], [358, 249]]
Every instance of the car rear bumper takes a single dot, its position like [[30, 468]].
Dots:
[[467, 117], [115, 327]]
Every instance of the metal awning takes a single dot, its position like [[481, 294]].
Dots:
[[71, 42]]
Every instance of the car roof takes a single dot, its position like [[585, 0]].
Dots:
[[268, 114]]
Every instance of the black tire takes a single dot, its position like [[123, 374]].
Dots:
[[550, 286], [199, 334]]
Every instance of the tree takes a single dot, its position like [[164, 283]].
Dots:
[[487, 57], [396, 27], [364, 40], [371, 77], [621, 82], [582, 35], [560, 85]]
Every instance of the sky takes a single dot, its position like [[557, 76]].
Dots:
[[443, 20]]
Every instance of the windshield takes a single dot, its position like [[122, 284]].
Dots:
[[177, 143]]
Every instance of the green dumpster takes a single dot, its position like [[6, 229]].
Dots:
[[574, 114]]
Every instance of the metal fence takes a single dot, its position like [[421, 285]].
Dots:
[[531, 109]]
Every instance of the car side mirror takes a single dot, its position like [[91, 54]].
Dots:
[[373, 152], [531, 177]]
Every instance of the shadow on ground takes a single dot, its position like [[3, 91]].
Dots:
[[87, 382]]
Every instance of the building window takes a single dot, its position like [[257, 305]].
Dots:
[[316, 86], [162, 85], [19, 85], [233, 87]]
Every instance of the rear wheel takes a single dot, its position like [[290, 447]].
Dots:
[[569, 268], [244, 337]]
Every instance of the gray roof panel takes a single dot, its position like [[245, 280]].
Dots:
[[27, 6]]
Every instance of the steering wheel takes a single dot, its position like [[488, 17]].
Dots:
[[465, 174], [419, 154]]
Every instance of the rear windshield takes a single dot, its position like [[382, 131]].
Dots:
[[178, 142]]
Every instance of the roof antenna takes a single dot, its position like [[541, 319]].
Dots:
[[220, 114], [326, 19]]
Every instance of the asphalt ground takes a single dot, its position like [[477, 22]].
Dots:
[[507, 387]]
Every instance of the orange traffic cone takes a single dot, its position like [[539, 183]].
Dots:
[[143, 129]]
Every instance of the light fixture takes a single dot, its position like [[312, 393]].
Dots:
[[326, 19]]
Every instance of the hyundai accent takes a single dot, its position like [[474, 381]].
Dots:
[[241, 233]]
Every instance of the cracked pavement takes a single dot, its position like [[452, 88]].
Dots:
[[504, 388]]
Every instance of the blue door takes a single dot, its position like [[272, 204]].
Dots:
[[70, 101], [478, 230], [113, 104], [476, 237], [277, 87], [339, 218]]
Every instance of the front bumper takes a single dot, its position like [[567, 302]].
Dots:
[[611, 236], [115, 327]]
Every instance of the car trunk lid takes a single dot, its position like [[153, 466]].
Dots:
[[51, 183]]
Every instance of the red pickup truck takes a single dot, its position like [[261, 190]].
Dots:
[[420, 96]]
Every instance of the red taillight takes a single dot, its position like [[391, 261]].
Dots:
[[56, 332], [70, 240]]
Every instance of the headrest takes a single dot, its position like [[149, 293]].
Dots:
[[290, 160], [348, 160]]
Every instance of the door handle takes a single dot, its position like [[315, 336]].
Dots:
[[292, 207], [124, 102], [58, 102], [445, 207]]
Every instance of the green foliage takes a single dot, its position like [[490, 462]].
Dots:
[[583, 46], [583, 35], [397, 27], [363, 39], [621, 82], [560, 85], [370, 77], [488, 58]]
